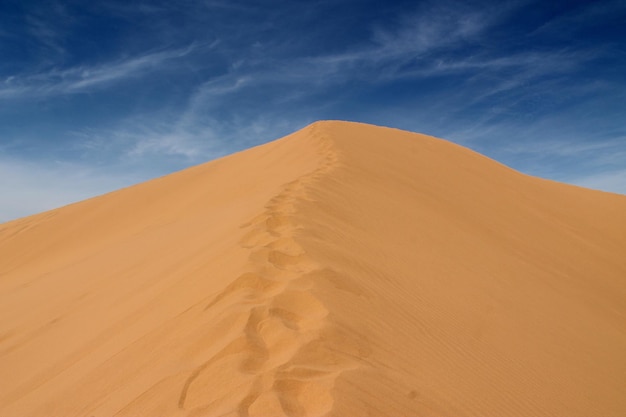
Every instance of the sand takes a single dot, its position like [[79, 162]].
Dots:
[[344, 270]]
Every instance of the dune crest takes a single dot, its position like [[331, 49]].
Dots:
[[285, 351], [343, 270]]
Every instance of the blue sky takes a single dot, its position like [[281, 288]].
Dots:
[[95, 96]]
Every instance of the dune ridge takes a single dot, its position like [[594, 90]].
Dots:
[[345, 269], [290, 371]]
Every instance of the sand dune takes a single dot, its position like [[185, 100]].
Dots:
[[344, 270]]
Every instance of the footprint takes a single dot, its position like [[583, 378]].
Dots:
[[281, 260], [209, 371], [266, 404], [258, 353], [281, 342], [286, 245], [256, 237], [249, 399], [275, 222], [298, 309], [305, 398], [248, 286]]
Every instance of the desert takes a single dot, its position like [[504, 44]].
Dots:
[[344, 270]]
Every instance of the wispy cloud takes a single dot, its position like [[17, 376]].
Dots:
[[431, 27], [427, 35], [87, 78], [587, 14], [437, 40], [185, 137], [46, 35], [142, 138], [48, 26]]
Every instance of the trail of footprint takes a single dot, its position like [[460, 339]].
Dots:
[[236, 346], [283, 348]]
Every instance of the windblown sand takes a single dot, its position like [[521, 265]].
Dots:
[[344, 270]]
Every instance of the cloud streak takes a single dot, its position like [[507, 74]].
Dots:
[[87, 78]]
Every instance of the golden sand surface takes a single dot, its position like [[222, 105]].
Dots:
[[344, 270]]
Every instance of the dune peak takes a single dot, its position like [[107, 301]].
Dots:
[[346, 269]]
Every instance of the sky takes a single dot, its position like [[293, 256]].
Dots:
[[95, 96]]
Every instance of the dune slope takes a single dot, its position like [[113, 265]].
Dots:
[[344, 270]]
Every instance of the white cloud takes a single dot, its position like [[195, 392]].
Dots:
[[86, 78], [185, 144], [432, 41], [438, 26], [145, 137]]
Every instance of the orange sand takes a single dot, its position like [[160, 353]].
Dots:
[[345, 270]]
